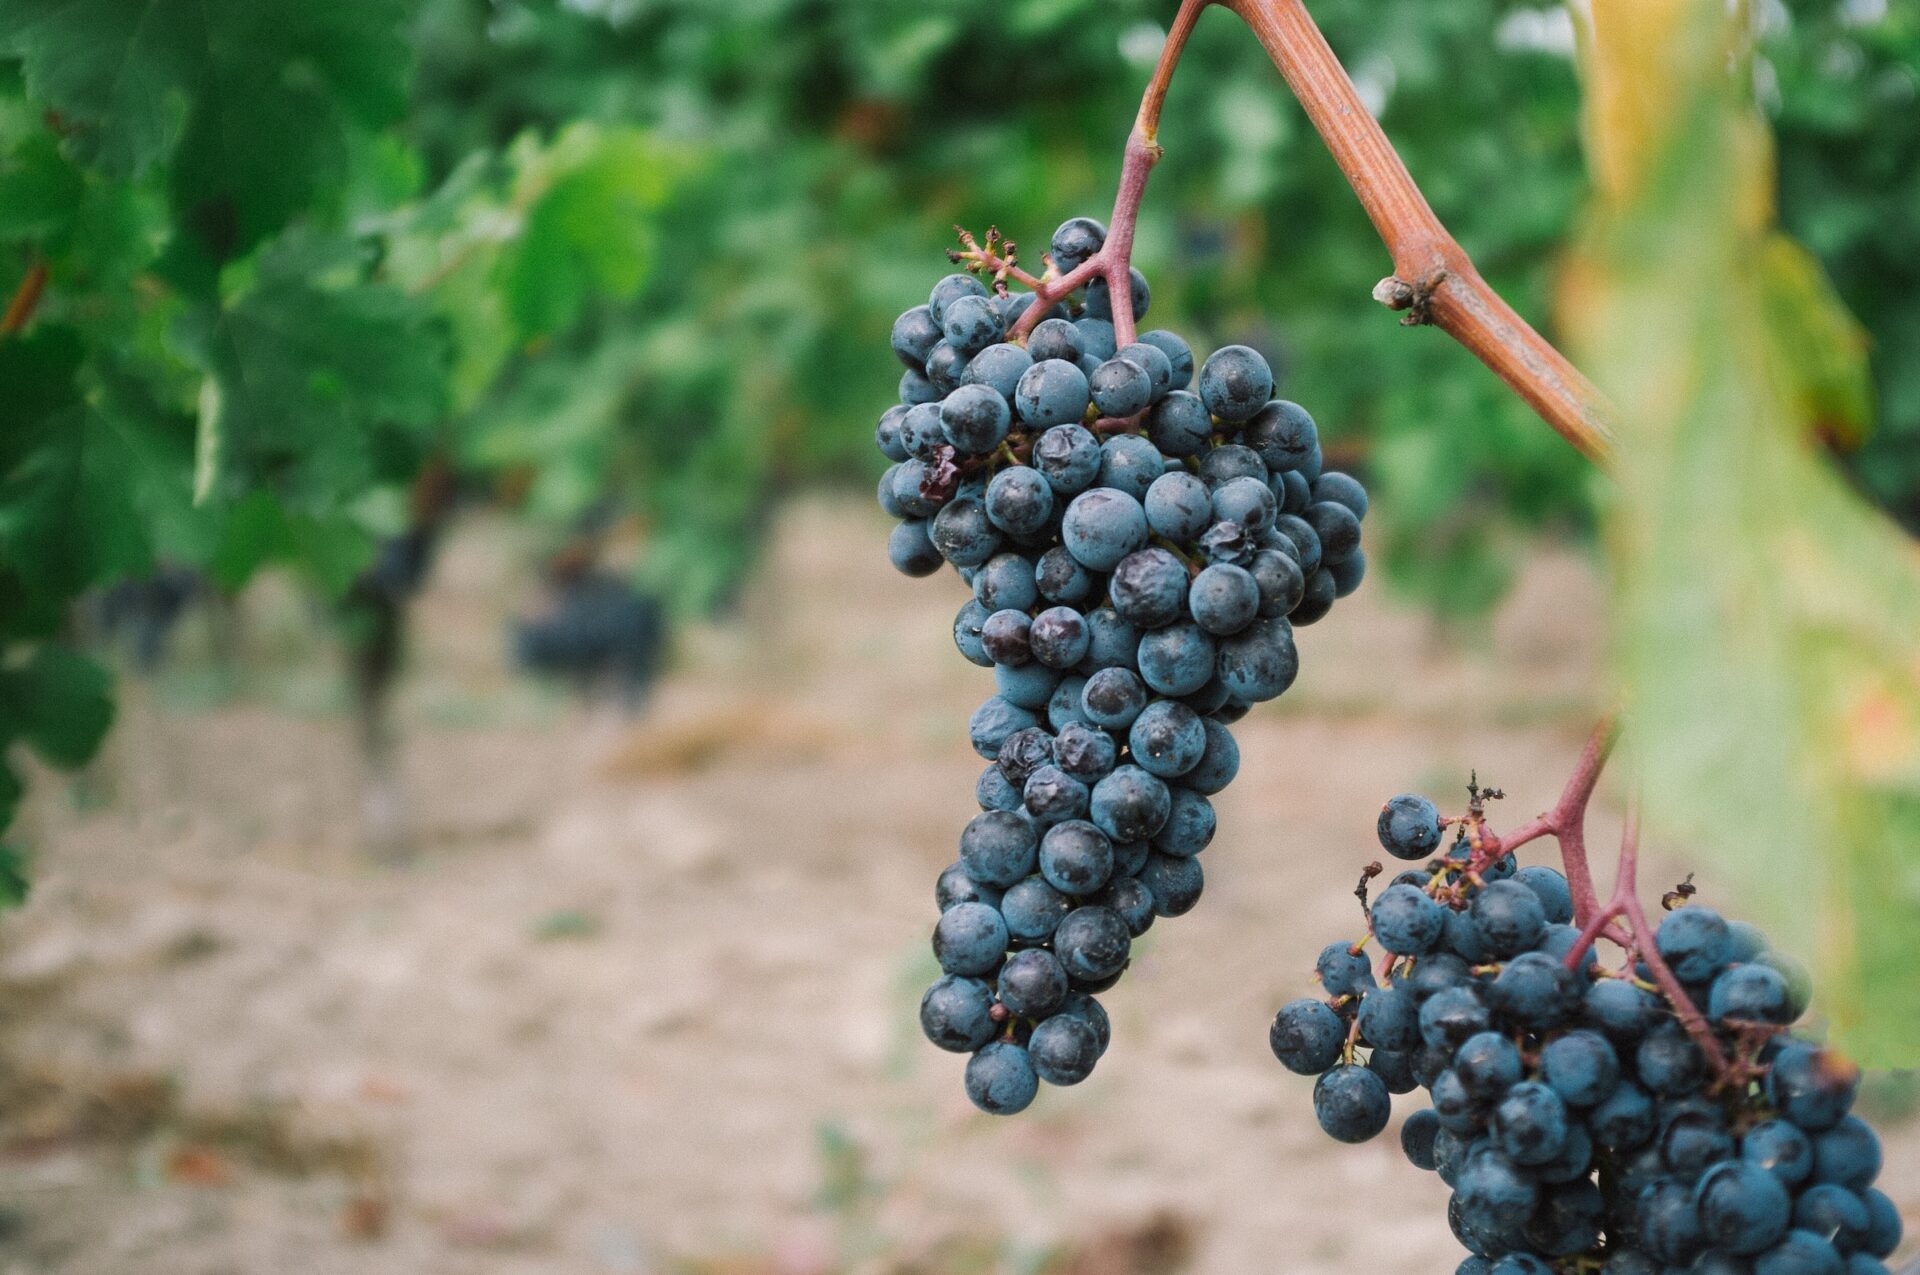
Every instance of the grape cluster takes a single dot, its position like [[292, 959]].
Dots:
[[1576, 1120], [1140, 538]]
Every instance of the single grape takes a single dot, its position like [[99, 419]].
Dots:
[[1621, 1010], [1407, 921], [1556, 900], [1317, 599], [1342, 489], [1750, 993], [1063, 708], [1284, 435], [1061, 579], [970, 939], [1450, 1016], [998, 367], [1409, 827], [1351, 1103], [1111, 641], [1167, 739], [1259, 663], [1032, 983], [1179, 355], [1389, 1018], [971, 324], [1121, 387], [1781, 1148], [1347, 573], [962, 533], [974, 418], [1581, 1067], [1247, 501], [1219, 761], [1221, 465], [1149, 588], [1304, 539], [1179, 506], [1029, 686], [1224, 599], [1235, 383], [1417, 1136], [1024, 752], [1001, 1079], [1492, 1185], [916, 389], [1190, 824], [1007, 637], [1306, 1036], [1100, 305], [1076, 858], [1113, 698], [1343, 969], [955, 886], [945, 366], [1279, 581], [1179, 424], [1177, 660], [1075, 240], [1130, 463], [1064, 1049], [1338, 529], [1847, 1154], [1005, 583], [1812, 1087], [1093, 943], [1096, 339], [914, 335], [956, 1014], [1051, 392], [1623, 1120], [1055, 339], [1692, 1139], [1152, 360], [1052, 796], [1668, 1063], [1130, 804], [1103, 526], [1695, 941], [950, 289], [1507, 914], [1133, 901], [911, 549], [1176, 883]]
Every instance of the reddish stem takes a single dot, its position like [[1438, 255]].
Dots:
[[25, 298], [1433, 279]]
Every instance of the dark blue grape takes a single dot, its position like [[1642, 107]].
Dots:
[[1831, 1212], [1560, 941], [1450, 1016], [1130, 804], [1668, 1225], [1152, 360], [1112, 642], [1847, 1154], [1351, 1103], [1283, 434], [1695, 942], [1178, 506], [1568, 1221], [1338, 529], [1487, 1066], [999, 368], [1059, 578], [1005, 583], [1436, 973], [1883, 1224], [1316, 600], [1342, 489], [1781, 1148], [916, 389], [1691, 1139], [1096, 339], [974, 418], [1032, 908], [1001, 1080], [1508, 916], [994, 791], [1491, 1185], [1343, 970], [1575, 1158], [887, 435], [1064, 1049], [1530, 1123], [1812, 1087], [1167, 739], [1556, 900], [1179, 355], [955, 886], [945, 366], [910, 491], [1219, 761], [1113, 699], [1055, 339], [914, 335], [1075, 240], [1407, 921], [1235, 383], [1279, 582], [1306, 1036], [1176, 883], [1800, 1253], [1190, 824], [1076, 858], [1058, 637], [1347, 573], [967, 626], [1149, 588], [1221, 465], [889, 498], [970, 939], [1085, 751], [1052, 796], [1024, 752], [1535, 992], [1103, 526], [1390, 1019], [1247, 501], [1623, 1120], [1051, 392], [998, 847], [1417, 1136], [1133, 901], [1668, 1063], [1581, 1067], [963, 535], [1257, 664], [950, 289], [1007, 637], [1799, 982], [1130, 463], [1121, 387], [1029, 686], [1093, 943], [1177, 660], [1179, 425], [1303, 538], [1748, 993], [1032, 983], [1624, 1012], [1063, 708], [911, 550], [1224, 599], [971, 324], [1409, 827], [956, 1014]]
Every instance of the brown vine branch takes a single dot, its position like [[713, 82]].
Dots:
[[1433, 279], [25, 298]]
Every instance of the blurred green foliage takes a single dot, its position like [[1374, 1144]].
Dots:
[[649, 250]]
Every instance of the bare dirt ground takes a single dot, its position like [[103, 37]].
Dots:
[[641, 1001]]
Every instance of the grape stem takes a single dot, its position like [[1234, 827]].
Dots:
[[1433, 280], [20, 307]]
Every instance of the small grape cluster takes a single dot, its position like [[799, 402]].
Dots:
[[1576, 1119], [1139, 552]]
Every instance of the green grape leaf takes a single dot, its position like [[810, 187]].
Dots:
[[69, 514], [308, 385], [591, 201], [1767, 619], [255, 102], [60, 702]]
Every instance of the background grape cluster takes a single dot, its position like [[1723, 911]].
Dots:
[[1574, 1117], [1140, 538]]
